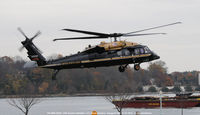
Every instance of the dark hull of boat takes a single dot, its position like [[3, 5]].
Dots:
[[156, 103]]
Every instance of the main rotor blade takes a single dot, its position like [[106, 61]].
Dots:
[[127, 35], [87, 32], [20, 30], [153, 28], [76, 38]]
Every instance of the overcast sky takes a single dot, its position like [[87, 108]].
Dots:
[[179, 48]]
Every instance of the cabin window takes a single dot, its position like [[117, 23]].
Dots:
[[119, 53], [126, 52]]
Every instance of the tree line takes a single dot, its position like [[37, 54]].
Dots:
[[17, 80]]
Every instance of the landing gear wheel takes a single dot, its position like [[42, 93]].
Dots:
[[121, 68], [137, 67]]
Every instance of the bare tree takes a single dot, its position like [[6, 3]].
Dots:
[[119, 100], [24, 103]]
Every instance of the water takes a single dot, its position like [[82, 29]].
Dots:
[[84, 105]]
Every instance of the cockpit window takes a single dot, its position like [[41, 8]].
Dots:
[[141, 51], [136, 51], [146, 50]]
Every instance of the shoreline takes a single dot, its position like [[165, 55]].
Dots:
[[56, 95], [86, 94]]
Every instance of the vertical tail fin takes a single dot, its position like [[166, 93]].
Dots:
[[33, 52]]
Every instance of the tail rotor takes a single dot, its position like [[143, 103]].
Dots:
[[27, 40], [34, 53]]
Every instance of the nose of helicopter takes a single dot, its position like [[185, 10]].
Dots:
[[155, 56]]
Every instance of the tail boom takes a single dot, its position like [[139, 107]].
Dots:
[[34, 53]]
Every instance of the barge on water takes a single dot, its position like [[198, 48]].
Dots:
[[178, 101]]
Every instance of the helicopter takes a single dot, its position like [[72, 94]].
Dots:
[[115, 53]]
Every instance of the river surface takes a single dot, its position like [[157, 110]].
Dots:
[[84, 106]]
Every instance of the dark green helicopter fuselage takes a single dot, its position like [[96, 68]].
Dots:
[[94, 57], [131, 55]]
